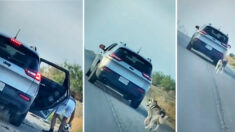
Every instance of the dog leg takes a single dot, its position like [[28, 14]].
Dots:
[[153, 122], [222, 70], [147, 121], [156, 128]]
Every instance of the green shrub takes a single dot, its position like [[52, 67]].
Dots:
[[162, 80]]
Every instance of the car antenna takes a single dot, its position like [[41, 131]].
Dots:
[[17, 34], [138, 52]]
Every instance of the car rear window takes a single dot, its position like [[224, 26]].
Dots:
[[134, 60], [216, 34], [19, 55]]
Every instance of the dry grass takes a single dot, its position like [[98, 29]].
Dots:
[[166, 100], [77, 123], [231, 61]]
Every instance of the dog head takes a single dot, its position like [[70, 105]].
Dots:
[[162, 113], [151, 102]]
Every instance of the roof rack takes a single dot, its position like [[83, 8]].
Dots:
[[150, 60], [124, 44], [34, 48]]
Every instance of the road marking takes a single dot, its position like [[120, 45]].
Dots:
[[114, 112], [219, 106]]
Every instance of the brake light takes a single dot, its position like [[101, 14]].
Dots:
[[35, 75], [203, 32], [24, 97], [15, 42], [147, 76], [140, 90], [107, 69], [115, 57]]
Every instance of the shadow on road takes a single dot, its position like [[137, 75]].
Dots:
[[119, 97]]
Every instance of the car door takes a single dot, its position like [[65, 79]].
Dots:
[[53, 89]]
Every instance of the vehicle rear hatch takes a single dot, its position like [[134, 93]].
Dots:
[[132, 67], [214, 38], [19, 65]]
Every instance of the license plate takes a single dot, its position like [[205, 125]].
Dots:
[[2, 85], [208, 47], [123, 80]]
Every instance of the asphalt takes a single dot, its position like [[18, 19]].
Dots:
[[205, 99], [107, 111], [31, 124]]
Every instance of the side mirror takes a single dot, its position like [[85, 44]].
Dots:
[[197, 27], [102, 46]]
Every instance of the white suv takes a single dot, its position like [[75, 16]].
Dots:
[[22, 87], [210, 41], [124, 70]]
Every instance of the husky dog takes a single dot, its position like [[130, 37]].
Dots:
[[220, 65], [156, 116]]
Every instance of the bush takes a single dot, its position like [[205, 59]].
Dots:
[[162, 80], [157, 77], [76, 83]]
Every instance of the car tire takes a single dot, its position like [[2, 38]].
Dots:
[[17, 119], [92, 77], [215, 62], [135, 104], [88, 72]]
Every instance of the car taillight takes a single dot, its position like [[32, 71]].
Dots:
[[107, 69], [115, 57], [24, 97], [147, 76], [15, 42], [140, 90], [35, 75], [203, 32]]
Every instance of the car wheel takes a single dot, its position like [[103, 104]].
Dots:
[[16, 119], [215, 62], [88, 72], [135, 104], [92, 77]]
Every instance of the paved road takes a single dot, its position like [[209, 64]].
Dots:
[[106, 111], [30, 124], [205, 99]]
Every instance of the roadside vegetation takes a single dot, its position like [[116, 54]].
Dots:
[[76, 86], [163, 90], [231, 59], [159, 79]]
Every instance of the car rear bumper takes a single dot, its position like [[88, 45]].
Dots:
[[111, 78], [10, 98], [201, 46]]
